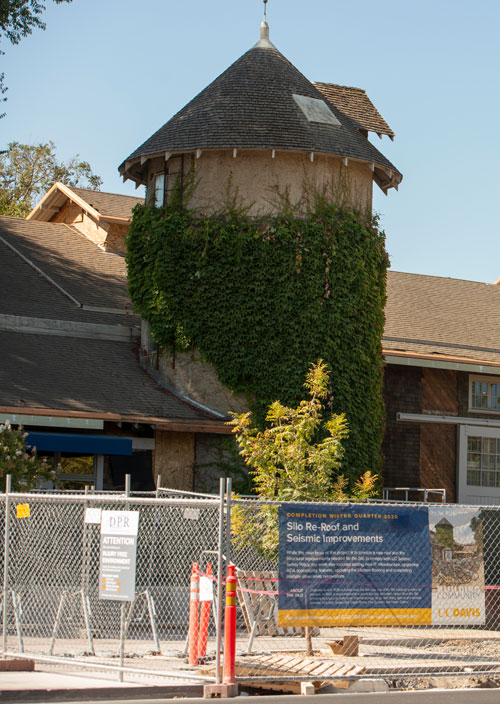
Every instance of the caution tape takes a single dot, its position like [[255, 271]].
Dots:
[[244, 589], [275, 579]]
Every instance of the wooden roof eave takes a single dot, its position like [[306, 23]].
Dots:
[[46, 203], [59, 187], [386, 178], [135, 169], [196, 425], [437, 357]]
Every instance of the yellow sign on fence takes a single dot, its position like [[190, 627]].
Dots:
[[23, 510]]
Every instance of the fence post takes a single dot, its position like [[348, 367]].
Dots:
[[8, 488], [127, 485], [219, 583], [228, 560], [230, 627], [229, 487]]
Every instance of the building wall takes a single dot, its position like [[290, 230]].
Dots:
[[111, 236], [72, 214], [424, 454], [401, 444], [255, 179], [217, 457], [115, 239], [173, 460], [438, 443], [190, 375]]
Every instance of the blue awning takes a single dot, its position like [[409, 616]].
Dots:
[[87, 444]]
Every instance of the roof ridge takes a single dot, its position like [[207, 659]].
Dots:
[[338, 85], [104, 193], [444, 278]]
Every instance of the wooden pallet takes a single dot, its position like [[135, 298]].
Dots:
[[319, 671], [288, 665]]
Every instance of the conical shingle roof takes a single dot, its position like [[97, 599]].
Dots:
[[252, 106]]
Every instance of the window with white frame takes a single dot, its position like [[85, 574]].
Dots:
[[478, 477], [484, 393], [159, 190], [483, 461]]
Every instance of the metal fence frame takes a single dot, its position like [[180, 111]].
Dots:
[[251, 640], [161, 500]]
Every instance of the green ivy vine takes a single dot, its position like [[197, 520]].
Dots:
[[265, 298]]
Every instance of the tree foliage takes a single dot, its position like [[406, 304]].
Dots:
[[18, 18], [21, 463], [27, 171], [297, 457]]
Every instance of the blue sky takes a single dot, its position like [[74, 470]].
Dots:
[[106, 74]]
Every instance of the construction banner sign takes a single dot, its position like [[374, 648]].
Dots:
[[374, 564], [118, 555]]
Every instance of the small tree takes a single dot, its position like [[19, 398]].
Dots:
[[27, 171], [289, 463], [21, 463]]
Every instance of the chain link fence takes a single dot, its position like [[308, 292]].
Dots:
[[388, 590], [392, 591], [52, 605]]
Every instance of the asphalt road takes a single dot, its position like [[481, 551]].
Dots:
[[436, 696]]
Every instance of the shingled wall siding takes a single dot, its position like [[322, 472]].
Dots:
[[438, 443], [401, 445], [425, 454]]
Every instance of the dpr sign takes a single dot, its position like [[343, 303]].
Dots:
[[118, 555]]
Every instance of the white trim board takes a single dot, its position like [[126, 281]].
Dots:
[[441, 364], [453, 420]]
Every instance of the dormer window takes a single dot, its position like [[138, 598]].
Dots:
[[316, 110]]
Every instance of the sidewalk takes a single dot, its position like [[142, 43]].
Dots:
[[45, 685]]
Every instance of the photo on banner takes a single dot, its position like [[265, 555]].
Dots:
[[456, 536]]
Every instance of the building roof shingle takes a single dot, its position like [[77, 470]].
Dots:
[[75, 374], [438, 316], [109, 204], [90, 275], [251, 106], [25, 292], [355, 103], [86, 360]]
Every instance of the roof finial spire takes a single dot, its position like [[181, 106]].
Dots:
[[264, 27]]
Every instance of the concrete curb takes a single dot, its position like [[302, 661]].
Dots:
[[100, 693]]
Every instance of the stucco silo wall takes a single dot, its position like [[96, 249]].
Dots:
[[253, 179]]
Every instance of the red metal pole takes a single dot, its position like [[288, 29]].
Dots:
[[230, 627], [205, 607], [194, 598]]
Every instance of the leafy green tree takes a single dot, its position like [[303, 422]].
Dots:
[[27, 171], [18, 18], [23, 464], [290, 462], [297, 457]]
